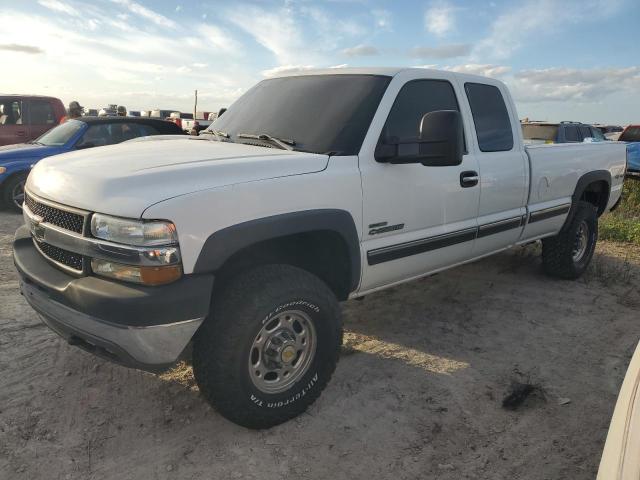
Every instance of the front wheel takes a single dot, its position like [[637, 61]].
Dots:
[[567, 255], [270, 346], [13, 192]]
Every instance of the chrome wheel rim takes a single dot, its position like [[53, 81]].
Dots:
[[282, 351], [17, 194], [581, 242]]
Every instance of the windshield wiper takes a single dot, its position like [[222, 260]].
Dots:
[[217, 133], [283, 143]]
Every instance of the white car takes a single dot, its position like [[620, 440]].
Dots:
[[621, 457], [311, 189]]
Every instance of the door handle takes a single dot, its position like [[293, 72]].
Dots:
[[469, 179], [20, 133]]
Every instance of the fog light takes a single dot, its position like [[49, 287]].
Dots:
[[142, 275]]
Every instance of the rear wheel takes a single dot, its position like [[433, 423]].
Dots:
[[567, 255], [270, 347], [13, 192]]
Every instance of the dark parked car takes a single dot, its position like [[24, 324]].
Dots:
[[84, 132], [563, 132], [25, 117]]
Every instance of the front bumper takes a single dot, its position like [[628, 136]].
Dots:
[[140, 327]]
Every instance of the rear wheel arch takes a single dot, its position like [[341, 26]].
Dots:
[[324, 242], [594, 188]]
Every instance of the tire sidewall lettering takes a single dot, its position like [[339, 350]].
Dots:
[[288, 401]]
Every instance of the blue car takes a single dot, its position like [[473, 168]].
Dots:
[[85, 132], [631, 135]]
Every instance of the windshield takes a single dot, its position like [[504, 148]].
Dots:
[[539, 132], [61, 134], [320, 113], [631, 134]]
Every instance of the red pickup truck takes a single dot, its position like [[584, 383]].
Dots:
[[26, 117]]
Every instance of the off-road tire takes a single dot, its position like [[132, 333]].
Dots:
[[7, 191], [558, 251], [223, 344]]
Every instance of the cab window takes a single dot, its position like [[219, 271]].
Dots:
[[490, 116], [414, 100]]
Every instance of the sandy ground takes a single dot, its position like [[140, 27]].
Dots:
[[417, 394]]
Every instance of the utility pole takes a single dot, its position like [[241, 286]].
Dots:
[[195, 106]]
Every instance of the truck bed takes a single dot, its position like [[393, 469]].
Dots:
[[554, 169]]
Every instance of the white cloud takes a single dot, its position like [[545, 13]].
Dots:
[[382, 19], [77, 64], [286, 69], [214, 38], [572, 84], [526, 21], [58, 6], [19, 48], [485, 70], [442, 51], [146, 13], [439, 19], [296, 34], [274, 29], [361, 51]]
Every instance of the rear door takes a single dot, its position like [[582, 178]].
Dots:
[[503, 168], [41, 117], [13, 128]]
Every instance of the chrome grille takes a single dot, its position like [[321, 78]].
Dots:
[[61, 218], [61, 256]]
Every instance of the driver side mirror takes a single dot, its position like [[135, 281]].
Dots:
[[440, 142]]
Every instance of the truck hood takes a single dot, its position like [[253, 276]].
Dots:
[[127, 178]]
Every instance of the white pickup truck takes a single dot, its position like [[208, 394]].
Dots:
[[311, 189]]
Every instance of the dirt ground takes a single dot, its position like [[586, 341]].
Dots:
[[417, 394]]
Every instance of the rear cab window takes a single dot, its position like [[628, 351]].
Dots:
[[490, 116]]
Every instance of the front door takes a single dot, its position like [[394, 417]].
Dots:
[[417, 219]]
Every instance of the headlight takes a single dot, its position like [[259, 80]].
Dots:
[[133, 232], [2, 170], [154, 245]]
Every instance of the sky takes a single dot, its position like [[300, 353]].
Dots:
[[563, 60]]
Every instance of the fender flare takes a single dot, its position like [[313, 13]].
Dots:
[[221, 245], [583, 182]]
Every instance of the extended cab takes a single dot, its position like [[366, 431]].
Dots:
[[310, 190]]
